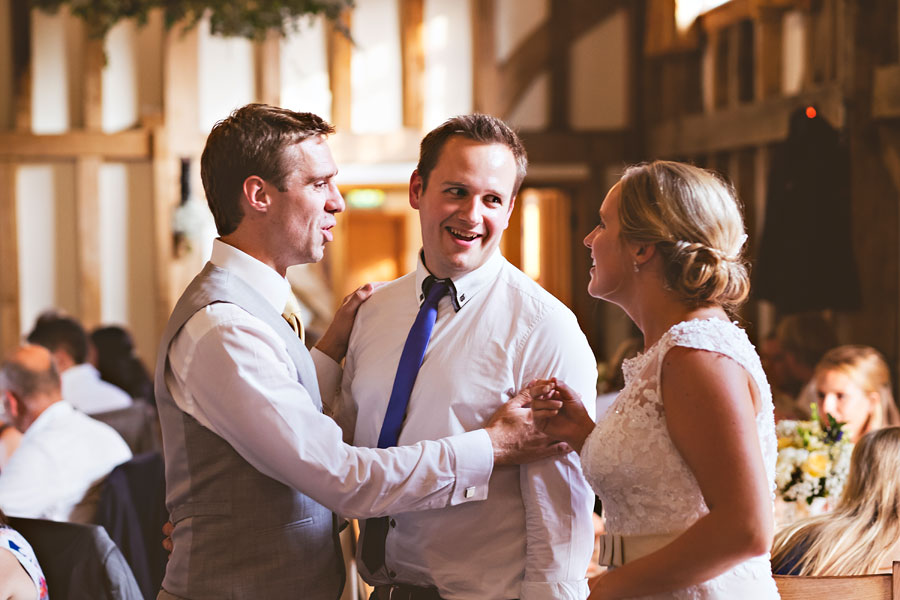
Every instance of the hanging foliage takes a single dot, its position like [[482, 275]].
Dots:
[[245, 18]]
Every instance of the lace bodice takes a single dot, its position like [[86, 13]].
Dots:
[[632, 463]]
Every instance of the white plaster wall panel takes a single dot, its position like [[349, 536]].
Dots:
[[120, 78], [6, 75], [46, 240], [516, 20], [448, 61], [794, 49], [50, 75], [304, 70], [375, 77], [113, 229], [599, 76], [532, 110], [226, 75]]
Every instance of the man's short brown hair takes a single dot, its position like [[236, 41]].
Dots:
[[251, 141], [477, 127]]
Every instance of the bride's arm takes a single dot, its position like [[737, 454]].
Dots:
[[710, 416]]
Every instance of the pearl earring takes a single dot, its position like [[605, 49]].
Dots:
[[636, 268]]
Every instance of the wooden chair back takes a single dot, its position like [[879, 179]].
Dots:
[[884, 586]]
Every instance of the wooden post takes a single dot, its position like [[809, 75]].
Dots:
[[20, 15], [165, 196], [180, 87], [87, 241], [768, 54], [267, 54], [9, 258], [340, 56], [484, 68], [93, 84], [560, 77], [412, 49]]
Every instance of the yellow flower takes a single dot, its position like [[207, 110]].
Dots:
[[816, 465], [785, 442]]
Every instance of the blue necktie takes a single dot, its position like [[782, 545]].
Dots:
[[407, 370]]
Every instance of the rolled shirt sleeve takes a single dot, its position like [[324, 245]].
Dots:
[[558, 501], [241, 385]]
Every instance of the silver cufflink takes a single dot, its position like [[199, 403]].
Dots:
[[470, 491]]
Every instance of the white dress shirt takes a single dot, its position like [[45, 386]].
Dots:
[[533, 536], [56, 470], [83, 389], [232, 372]]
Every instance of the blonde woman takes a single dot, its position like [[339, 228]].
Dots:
[[684, 460], [853, 384], [862, 534]]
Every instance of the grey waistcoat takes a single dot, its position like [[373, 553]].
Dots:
[[239, 534]]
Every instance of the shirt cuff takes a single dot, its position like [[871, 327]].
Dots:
[[328, 374], [553, 590], [474, 462]]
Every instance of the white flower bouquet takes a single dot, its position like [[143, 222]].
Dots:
[[813, 459]]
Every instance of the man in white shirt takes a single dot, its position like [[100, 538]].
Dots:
[[251, 461], [495, 331], [64, 456], [82, 387]]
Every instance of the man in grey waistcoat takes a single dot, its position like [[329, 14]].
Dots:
[[254, 469]]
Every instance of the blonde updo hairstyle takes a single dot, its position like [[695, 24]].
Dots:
[[693, 218]]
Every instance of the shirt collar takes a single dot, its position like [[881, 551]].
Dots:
[[464, 287], [51, 413], [258, 275]]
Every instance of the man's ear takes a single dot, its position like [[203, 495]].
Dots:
[[12, 404], [512, 205], [255, 192], [416, 187]]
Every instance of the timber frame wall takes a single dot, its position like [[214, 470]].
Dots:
[[851, 75]]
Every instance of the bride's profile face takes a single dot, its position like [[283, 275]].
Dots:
[[610, 262]]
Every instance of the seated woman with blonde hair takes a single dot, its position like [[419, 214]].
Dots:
[[853, 385], [861, 535]]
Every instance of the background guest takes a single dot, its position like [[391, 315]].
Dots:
[[21, 577], [853, 384], [64, 455], [117, 362], [862, 534], [82, 387], [789, 357]]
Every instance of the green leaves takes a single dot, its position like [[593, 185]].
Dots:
[[251, 19]]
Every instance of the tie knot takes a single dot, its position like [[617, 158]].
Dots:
[[435, 289]]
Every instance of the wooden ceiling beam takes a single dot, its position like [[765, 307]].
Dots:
[[133, 144], [755, 124]]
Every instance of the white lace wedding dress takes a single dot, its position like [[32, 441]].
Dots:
[[637, 472]]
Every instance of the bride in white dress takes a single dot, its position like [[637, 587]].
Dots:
[[684, 460]]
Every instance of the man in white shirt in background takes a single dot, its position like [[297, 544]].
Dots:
[[495, 332], [253, 467], [82, 387], [64, 456]]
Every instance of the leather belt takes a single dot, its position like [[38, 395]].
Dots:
[[401, 591], [616, 550]]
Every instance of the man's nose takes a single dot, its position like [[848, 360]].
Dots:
[[589, 238], [335, 203], [470, 210]]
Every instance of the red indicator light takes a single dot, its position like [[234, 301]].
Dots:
[[810, 112]]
